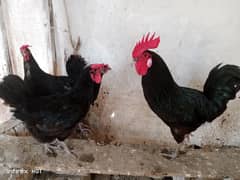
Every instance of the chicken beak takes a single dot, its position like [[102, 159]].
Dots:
[[104, 70], [107, 68]]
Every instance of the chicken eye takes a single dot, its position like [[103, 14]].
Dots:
[[93, 71], [145, 55]]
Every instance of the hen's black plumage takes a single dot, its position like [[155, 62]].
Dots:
[[49, 117], [185, 109], [74, 66], [40, 83], [43, 84]]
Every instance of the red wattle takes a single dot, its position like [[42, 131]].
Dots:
[[97, 78], [141, 67]]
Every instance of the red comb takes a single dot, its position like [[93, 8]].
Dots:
[[25, 46], [96, 66], [144, 44]]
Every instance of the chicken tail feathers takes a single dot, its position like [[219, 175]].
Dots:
[[12, 90], [75, 65], [222, 85]]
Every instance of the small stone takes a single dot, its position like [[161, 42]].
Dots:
[[87, 158]]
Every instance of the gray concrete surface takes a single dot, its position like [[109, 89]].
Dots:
[[27, 155]]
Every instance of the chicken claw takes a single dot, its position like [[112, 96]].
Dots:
[[85, 129], [181, 149], [52, 147], [49, 150]]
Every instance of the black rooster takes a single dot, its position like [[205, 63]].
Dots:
[[183, 109], [52, 118]]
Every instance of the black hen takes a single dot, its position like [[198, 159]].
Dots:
[[55, 116], [41, 83], [183, 109], [74, 67]]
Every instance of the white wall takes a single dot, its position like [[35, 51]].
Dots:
[[195, 36], [27, 22]]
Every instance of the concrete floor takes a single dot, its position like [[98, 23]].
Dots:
[[126, 159]]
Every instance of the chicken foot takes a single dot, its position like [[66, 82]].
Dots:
[[52, 147], [85, 129], [181, 148]]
